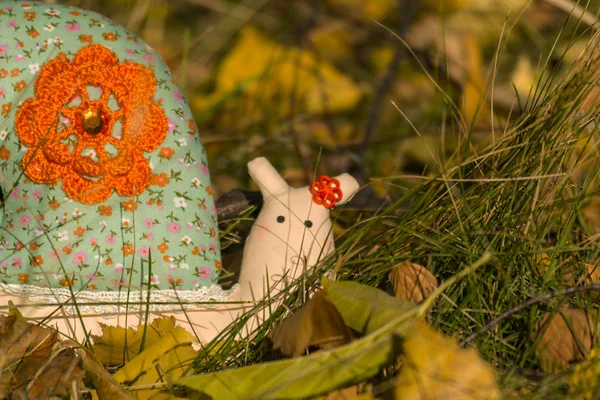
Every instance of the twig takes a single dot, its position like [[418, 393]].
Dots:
[[538, 299], [406, 12]]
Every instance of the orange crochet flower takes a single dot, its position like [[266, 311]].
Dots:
[[76, 152], [326, 191]]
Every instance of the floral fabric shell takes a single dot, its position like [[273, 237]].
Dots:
[[111, 212]]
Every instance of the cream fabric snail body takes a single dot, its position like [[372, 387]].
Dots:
[[277, 251], [65, 234]]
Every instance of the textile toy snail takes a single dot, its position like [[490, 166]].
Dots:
[[107, 209]]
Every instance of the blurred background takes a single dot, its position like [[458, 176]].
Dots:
[[379, 88]]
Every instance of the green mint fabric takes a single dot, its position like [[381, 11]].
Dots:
[[164, 238]]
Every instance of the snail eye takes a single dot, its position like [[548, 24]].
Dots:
[[308, 223], [281, 219]]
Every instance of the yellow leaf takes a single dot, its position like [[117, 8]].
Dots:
[[332, 40], [523, 76], [317, 323], [263, 70], [366, 9], [584, 381], [170, 355], [474, 107], [434, 367], [110, 347], [412, 282], [566, 336]]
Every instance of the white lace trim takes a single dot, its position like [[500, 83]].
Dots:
[[108, 304]]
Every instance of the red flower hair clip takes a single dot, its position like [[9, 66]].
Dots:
[[326, 191]]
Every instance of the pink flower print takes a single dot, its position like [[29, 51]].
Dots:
[[12, 24], [150, 236], [212, 248], [19, 58], [214, 209], [72, 27], [148, 58], [173, 227], [144, 251], [129, 52], [204, 273], [25, 220], [154, 280], [160, 206], [15, 193], [110, 239], [149, 223], [188, 225], [36, 194], [195, 283], [93, 242], [2, 93], [3, 265], [3, 49], [171, 125], [17, 262], [118, 268], [204, 169], [80, 258], [177, 95]]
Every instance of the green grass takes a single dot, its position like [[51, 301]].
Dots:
[[520, 199]]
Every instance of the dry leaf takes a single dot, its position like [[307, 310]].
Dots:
[[33, 362], [566, 337], [106, 386], [58, 375], [412, 282], [110, 347], [434, 367], [23, 346], [317, 323], [163, 361]]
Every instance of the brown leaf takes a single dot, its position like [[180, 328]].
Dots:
[[34, 363], [566, 337], [56, 376], [317, 323], [106, 386], [412, 282], [23, 348]]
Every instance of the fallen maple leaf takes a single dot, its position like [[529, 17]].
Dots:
[[317, 323], [564, 337], [434, 367], [412, 282]]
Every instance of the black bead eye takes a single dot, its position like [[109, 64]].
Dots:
[[281, 219], [308, 223]]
